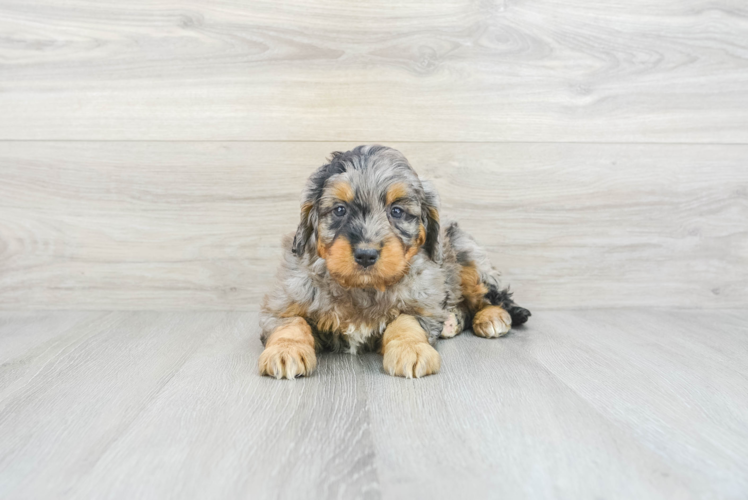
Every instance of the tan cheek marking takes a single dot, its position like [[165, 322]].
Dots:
[[411, 252], [391, 264], [473, 289], [321, 250], [340, 258], [396, 192], [389, 269], [342, 191]]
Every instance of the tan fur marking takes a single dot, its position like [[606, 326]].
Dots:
[[491, 322], [406, 349], [321, 250], [473, 289], [294, 309], [289, 351], [419, 242], [306, 208], [340, 263], [342, 191], [390, 267], [392, 262], [396, 192], [434, 214], [421, 235], [329, 322]]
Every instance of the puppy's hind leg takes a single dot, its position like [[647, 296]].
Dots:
[[491, 308], [494, 311]]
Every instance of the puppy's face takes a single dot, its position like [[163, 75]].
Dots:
[[370, 216], [368, 230]]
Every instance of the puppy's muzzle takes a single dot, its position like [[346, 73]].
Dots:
[[365, 257]]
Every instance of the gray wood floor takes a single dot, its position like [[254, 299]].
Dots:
[[585, 404]]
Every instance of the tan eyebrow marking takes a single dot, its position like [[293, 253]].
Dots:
[[342, 191], [396, 192]]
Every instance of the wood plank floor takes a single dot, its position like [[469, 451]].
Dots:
[[577, 404]]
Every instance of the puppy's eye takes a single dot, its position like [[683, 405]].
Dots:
[[339, 210], [397, 212]]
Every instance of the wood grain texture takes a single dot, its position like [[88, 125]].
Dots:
[[452, 70], [575, 405], [158, 225]]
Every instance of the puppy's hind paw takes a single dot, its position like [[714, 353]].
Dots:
[[288, 359], [450, 328], [491, 322]]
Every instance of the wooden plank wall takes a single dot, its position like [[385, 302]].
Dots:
[[152, 153]]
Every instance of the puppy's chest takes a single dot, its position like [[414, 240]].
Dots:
[[360, 336], [351, 329]]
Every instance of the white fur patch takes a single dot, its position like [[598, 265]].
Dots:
[[450, 327], [357, 334]]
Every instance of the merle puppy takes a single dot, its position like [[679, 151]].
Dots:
[[372, 268]]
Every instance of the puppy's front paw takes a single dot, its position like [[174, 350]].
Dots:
[[288, 359], [411, 359], [492, 321]]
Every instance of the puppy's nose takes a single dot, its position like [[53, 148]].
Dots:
[[365, 256]]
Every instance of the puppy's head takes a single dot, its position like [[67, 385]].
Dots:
[[367, 214]]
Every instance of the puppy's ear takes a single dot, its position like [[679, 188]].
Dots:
[[430, 219], [306, 229], [312, 192]]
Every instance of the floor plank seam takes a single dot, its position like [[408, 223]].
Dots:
[[148, 402]]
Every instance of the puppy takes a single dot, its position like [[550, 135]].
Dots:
[[372, 268]]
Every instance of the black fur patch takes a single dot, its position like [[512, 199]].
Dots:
[[519, 315], [354, 236], [464, 258], [319, 178], [496, 297], [503, 298], [432, 238]]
